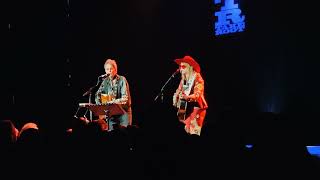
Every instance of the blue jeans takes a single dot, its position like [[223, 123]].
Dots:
[[122, 120]]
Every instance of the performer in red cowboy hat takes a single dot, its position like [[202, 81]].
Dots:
[[189, 96]]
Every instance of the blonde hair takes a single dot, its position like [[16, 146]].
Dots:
[[112, 63], [190, 69]]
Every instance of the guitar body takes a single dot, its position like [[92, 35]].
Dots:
[[182, 109]]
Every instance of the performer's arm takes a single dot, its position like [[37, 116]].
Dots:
[[124, 93], [197, 91]]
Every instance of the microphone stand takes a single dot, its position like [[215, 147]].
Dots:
[[89, 92], [161, 91]]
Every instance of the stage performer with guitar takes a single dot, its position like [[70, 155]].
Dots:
[[114, 89], [189, 97]]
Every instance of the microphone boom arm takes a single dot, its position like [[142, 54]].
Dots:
[[165, 84]]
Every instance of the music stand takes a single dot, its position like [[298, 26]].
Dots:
[[106, 109]]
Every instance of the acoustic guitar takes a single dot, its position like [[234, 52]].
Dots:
[[182, 104]]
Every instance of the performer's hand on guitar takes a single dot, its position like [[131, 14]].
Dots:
[[174, 100], [184, 96]]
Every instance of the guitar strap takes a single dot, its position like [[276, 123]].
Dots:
[[190, 83]]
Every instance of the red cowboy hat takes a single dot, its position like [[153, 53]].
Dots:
[[190, 61]]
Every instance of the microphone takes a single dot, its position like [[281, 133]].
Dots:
[[176, 72], [103, 75]]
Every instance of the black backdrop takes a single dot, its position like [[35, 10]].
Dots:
[[54, 51]]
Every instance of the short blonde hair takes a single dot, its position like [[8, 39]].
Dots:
[[113, 63]]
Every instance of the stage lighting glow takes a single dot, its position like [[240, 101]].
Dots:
[[314, 150]]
